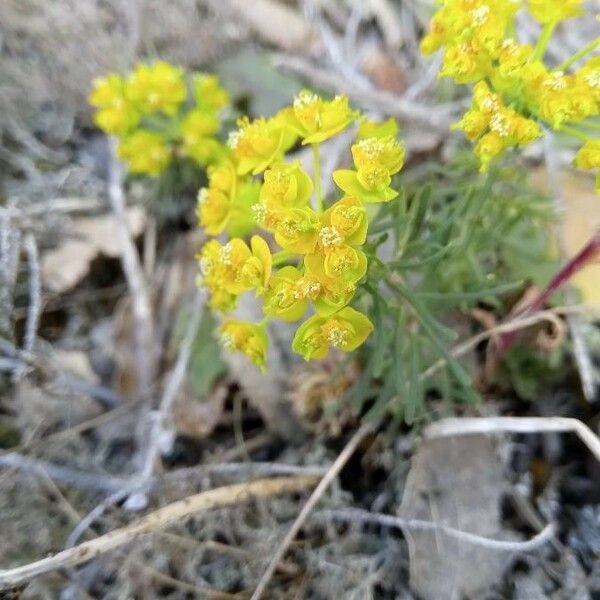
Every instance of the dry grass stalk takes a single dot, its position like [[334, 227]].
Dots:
[[325, 482], [205, 501]]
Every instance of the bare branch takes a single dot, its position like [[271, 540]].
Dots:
[[142, 311]]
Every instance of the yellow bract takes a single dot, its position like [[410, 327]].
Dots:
[[554, 11], [145, 151], [258, 144], [250, 339], [345, 330], [315, 119], [159, 87], [116, 115]]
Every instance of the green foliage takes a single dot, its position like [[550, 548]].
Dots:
[[206, 365], [455, 240]]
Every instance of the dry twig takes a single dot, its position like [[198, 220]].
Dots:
[[471, 425], [205, 501], [140, 297], [419, 525], [331, 474]]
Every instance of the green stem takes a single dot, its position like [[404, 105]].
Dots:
[[579, 54], [281, 257], [317, 161], [575, 133], [590, 125], [265, 321], [543, 40]]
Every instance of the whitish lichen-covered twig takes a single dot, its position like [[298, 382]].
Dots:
[[365, 516], [140, 297], [35, 300]]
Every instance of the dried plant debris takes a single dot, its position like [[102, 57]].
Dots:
[[65, 266]]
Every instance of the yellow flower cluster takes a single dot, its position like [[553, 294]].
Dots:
[[321, 260], [515, 94], [150, 113]]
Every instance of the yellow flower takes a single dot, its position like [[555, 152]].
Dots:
[[315, 119], [226, 204], [258, 144], [345, 330], [376, 159], [588, 77], [145, 152], [286, 186], [371, 185], [588, 156], [297, 229], [247, 338], [465, 62], [488, 147], [256, 271], [159, 87], [371, 129], [212, 273], [343, 222], [234, 267], [341, 262], [494, 125], [197, 131], [386, 153], [554, 11], [471, 32], [115, 114], [208, 93], [282, 298]]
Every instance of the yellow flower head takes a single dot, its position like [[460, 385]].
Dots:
[[554, 11], [197, 131], [371, 184], [116, 115], [283, 298], [297, 229], [343, 222], [488, 147], [494, 125], [371, 129], [235, 267], [145, 152], [247, 338], [588, 77], [341, 262], [286, 186], [384, 153], [212, 273], [208, 92], [159, 87], [345, 330], [215, 202], [315, 119], [258, 144], [588, 156]]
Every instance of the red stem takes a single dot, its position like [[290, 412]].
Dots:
[[571, 268]]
